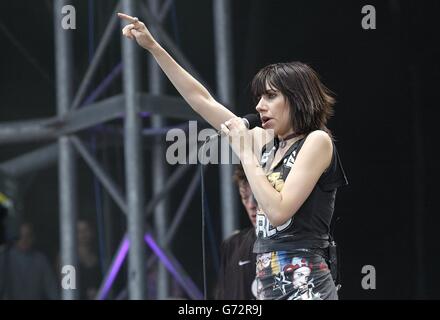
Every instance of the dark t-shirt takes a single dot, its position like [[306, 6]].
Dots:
[[309, 227], [237, 268]]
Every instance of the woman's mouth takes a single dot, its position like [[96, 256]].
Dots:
[[265, 121]]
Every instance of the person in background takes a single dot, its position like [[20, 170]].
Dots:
[[236, 279], [25, 273]]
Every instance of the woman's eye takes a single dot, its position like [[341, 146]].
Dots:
[[271, 95]]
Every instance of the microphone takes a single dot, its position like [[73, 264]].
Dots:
[[251, 121]]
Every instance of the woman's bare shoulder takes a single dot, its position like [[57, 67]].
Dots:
[[319, 136], [318, 143]]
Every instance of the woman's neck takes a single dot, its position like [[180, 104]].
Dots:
[[288, 139], [285, 135]]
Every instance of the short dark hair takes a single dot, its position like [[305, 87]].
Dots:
[[239, 175], [310, 101]]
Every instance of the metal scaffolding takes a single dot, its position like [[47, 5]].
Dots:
[[225, 85], [66, 153], [71, 119], [156, 87]]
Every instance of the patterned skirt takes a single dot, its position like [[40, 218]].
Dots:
[[299, 275]]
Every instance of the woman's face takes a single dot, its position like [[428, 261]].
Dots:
[[274, 112]]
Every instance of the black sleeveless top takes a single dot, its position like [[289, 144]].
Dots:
[[310, 226]]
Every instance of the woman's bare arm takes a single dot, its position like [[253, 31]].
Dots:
[[191, 90]]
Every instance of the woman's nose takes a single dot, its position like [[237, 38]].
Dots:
[[260, 106]]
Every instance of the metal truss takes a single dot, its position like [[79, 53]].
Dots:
[[77, 112]]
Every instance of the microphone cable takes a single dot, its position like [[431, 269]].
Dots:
[[205, 219], [204, 209]]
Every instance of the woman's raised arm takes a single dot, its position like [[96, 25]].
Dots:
[[191, 90]]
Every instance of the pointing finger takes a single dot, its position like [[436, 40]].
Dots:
[[128, 18]]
